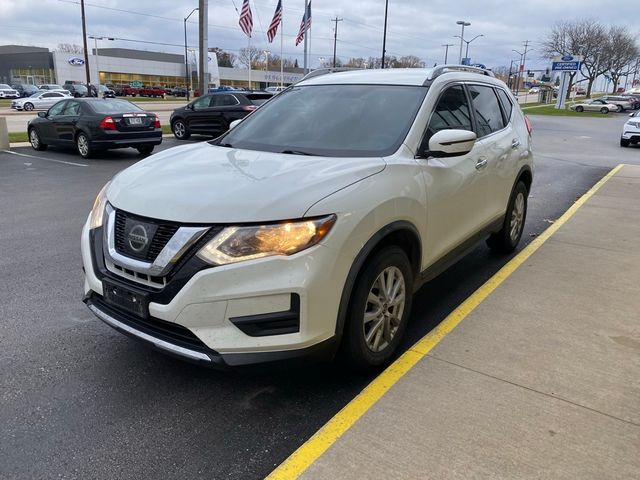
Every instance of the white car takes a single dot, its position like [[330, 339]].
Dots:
[[594, 106], [274, 90], [631, 130], [39, 101], [308, 226], [7, 92]]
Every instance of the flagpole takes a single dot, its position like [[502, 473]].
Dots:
[[304, 18], [281, 43], [249, 54]]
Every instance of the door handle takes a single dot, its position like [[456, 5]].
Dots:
[[481, 163], [515, 143]]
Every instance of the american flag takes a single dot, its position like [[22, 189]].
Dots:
[[277, 18], [246, 19], [305, 24]]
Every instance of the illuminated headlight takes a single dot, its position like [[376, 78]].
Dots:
[[97, 212], [236, 244]]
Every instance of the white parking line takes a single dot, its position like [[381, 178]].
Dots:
[[45, 159]]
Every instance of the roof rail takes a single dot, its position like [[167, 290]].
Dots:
[[323, 71], [441, 69]]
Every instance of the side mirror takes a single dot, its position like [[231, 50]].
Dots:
[[234, 123], [451, 143], [42, 114], [631, 114]]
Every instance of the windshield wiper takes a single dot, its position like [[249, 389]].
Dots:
[[298, 152], [228, 145]]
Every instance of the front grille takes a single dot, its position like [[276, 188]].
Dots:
[[161, 329], [163, 234]]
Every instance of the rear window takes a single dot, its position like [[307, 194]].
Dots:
[[113, 106]]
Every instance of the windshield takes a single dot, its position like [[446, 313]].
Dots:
[[331, 120], [4, 86], [114, 106], [80, 88]]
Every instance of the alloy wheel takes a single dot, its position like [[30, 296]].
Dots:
[[179, 129], [517, 217], [384, 309], [83, 145], [34, 139]]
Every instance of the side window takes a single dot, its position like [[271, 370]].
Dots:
[[487, 110], [223, 100], [451, 112], [49, 95], [57, 109], [72, 109], [507, 104], [202, 102]]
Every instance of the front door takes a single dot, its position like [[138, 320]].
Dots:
[[202, 117], [65, 123], [456, 186], [47, 129]]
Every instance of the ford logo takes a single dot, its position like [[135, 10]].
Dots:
[[76, 62], [567, 58], [138, 238]]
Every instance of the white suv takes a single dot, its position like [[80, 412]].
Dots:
[[306, 229], [631, 130]]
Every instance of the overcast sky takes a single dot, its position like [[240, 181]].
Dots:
[[415, 27]]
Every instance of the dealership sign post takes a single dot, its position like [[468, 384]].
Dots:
[[566, 64]]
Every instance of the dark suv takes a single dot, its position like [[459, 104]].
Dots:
[[76, 89], [211, 114], [25, 90]]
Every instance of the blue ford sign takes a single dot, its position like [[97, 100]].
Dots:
[[76, 61], [567, 58]]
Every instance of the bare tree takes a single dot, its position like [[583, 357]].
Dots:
[[357, 63], [225, 59], [584, 37], [70, 48], [620, 50], [252, 55]]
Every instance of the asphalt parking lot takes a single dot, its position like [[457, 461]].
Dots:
[[79, 400]]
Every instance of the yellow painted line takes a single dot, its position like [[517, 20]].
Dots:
[[313, 448]]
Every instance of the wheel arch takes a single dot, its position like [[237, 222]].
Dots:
[[401, 233]]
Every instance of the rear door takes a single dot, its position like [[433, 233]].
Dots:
[[204, 116], [495, 137], [49, 99], [225, 109]]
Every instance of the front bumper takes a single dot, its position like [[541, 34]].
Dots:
[[631, 134], [236, 314]]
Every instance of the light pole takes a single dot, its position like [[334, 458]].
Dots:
[[95, 44], [446, 51], [520, 68], [466, 55], [187, 74], [266, 54], [464, 24], [384, 35]]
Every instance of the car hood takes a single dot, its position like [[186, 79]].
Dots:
[[202, 183]]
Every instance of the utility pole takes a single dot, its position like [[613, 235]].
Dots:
[[335, 38], [384, 35], [524, 61], [446, 51], [203, 45], [84, 42]]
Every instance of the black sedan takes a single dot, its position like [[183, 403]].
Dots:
[[93, 124], [211, 114]]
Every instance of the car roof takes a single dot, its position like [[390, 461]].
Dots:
[[397, 76]]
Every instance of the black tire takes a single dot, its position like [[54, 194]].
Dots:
[[624, 142], [28, 106], [357, 352], [604, 110], [35, 141], [579, 109], [145, 150], [619, 109], [507, 239], [83, 145], [180, 130]]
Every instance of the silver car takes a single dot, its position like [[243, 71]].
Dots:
[[38, 101], [594, 106]]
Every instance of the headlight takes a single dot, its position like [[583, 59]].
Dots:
[[97, 212], [236, 244]]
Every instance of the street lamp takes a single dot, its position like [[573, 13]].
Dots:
[[446, 51], [266, 53], [187, 74], [520, 69], [464, 24], [466, 55], [95, 43]]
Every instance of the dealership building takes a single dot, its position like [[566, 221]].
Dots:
[[36, 66]]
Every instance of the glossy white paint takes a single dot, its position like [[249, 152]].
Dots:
[[447, 200]]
